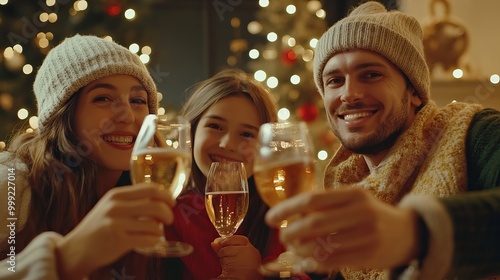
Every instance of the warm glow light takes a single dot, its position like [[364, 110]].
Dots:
[[159, 96], [321, 13], [130, 14], [4, 2], [134, 48], [43, 17], [271, 36], [291, 42], [33, 121], [18, 48], [43, 43], [52, 17], [291, 9], [458, 73], [272, 82], [50, 3], [313, 43], [161, 111], [283, 114], [260, 75], [269, 54], [146, 50], [495, 79], [27, 69], [253, 54], [2, 145], [8, 53], [254, 27], [308, 55], [144, 58], [263, 3], [82, 5], [322, 155], [22, 114], [313, 6], [295, 79]]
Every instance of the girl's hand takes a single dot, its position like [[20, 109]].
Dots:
[[124, 218], [239, 259]]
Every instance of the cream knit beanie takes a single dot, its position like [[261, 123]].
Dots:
[[79, 60], [394, 35]]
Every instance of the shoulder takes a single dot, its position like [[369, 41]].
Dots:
[[15, 192]]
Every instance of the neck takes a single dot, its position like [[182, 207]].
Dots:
[[373, 160], [107, 179]]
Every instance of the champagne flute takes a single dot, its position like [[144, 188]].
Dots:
[[162, 154], [226, 198], [283, 167]]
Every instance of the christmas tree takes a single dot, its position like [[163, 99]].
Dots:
[[30, 29], [284, 63]]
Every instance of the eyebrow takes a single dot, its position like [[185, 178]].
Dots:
[[215, 117], [357, 67], [110, 86]]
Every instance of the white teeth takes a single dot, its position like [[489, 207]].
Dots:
[[354, 116], [119, 139]]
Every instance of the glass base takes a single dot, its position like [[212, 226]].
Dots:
[[284, 266], [167, 249]]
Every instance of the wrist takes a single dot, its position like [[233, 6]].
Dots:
[[70, 264]]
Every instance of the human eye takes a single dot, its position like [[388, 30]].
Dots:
[[138, 100], [248, 134], [372, 75], [99, 99], [334, 81], [214, 126]]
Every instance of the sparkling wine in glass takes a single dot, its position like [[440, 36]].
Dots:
[[162, 154], [283, 167], [226, 198]]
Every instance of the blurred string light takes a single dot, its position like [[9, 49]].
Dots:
[[458, 73], [253, 54], [283, 114], [291, 9], [129, 14], [322, 155], [4, 2], [263, 3], [260, 75], [495, 79]]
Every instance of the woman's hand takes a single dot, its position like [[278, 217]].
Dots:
[[347, 227], [124, 218], [239, 259]]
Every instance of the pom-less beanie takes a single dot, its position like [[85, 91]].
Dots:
[[80, 60], [392, 34]]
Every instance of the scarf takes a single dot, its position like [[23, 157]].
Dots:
[[428, 158]]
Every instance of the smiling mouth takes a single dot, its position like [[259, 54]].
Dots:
[[222, 159], [355, 116], [118, 139]]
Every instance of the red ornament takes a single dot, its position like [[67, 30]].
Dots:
[[288, 57], [307, 112], [114, 9]]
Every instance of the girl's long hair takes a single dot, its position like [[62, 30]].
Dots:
[[62, 180], [226, 83]]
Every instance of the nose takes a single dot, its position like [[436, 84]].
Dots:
[[352, 92], [228, 142], [123, 113]]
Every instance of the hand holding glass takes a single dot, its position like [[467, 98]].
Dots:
[[283, 167], [162, 154]]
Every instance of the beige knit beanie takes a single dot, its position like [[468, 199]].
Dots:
[[395, 35], [79, 60]]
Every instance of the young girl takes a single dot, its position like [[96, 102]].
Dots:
[[225, 112], [67, 219]]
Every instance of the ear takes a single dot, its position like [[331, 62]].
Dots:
[[415, 99]]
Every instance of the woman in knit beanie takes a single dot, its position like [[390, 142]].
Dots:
[[399, 153], [69, 221]]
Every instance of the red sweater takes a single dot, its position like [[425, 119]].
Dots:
[[192, 225]]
